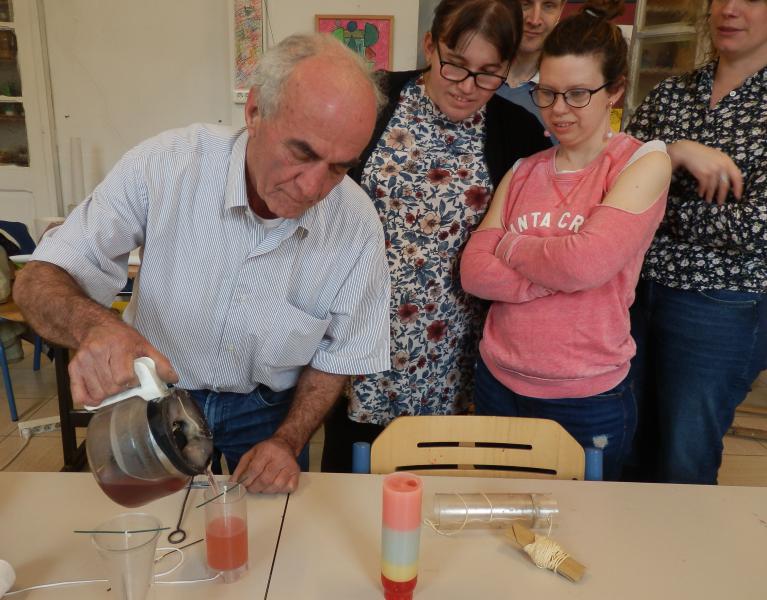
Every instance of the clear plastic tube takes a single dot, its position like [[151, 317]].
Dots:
[[457, 511]]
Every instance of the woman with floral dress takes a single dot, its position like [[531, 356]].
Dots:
[[441, 145]]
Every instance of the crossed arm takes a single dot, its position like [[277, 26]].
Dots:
[[482, 273], [529, 266]]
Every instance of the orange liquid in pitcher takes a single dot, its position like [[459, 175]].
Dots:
[[227, 543]]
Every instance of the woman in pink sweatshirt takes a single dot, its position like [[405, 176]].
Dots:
[[560, 249]]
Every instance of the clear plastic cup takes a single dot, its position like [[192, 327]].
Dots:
[[226, 531], [127, 543]]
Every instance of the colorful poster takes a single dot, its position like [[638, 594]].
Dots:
[[248, 41], [368, 36]]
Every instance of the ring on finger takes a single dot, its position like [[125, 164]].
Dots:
[[724, 178]]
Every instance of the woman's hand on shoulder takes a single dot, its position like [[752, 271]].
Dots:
[[715, 172], [494, 216], [641, 184]]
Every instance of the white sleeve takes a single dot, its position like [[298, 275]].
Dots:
[[646, 148]]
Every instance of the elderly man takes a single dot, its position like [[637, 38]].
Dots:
[[263, 281], [540, 17]]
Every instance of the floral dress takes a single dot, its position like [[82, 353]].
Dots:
[[428, 179]]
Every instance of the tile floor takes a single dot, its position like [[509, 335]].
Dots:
[[745, 460]]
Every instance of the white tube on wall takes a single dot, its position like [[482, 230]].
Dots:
[[78, 180]]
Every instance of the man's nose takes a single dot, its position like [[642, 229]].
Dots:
[[311, 181], [533, 15]]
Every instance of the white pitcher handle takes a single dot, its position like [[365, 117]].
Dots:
[[150, 385]]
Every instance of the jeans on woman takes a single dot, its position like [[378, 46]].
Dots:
[[239, 421], [606, 420], [698, 351]]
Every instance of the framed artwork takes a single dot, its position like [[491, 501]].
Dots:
[[368, 36], [248, 44]]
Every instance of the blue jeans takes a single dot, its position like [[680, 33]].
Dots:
[[608, 418], [698, 351], [239, 421]]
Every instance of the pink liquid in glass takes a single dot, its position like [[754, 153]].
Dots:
[[227, 542]]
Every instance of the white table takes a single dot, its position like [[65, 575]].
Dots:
[[39, 511], [637, 541]]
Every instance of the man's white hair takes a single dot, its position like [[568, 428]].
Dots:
[[276, 66]]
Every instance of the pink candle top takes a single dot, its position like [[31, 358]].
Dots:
[[402, 493]]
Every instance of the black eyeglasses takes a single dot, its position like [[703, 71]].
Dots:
[[576, 97], [456, 73]]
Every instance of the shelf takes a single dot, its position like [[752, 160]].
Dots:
[[668, 32], [11, 118], [663, 71], [663, 10]]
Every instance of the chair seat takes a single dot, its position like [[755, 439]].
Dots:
[[10, 312]]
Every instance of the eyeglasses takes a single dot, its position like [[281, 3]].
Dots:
[[576, 97], [456, 73]]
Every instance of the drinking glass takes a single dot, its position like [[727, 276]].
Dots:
[[127, 543], [226, 531]]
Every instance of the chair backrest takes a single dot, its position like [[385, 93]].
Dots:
[[478, 446]]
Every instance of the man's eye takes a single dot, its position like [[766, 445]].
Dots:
[[299, 156]]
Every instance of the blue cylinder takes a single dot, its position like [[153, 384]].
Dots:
[[593, 464], [361, 457]]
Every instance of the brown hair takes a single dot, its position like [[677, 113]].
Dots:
[[498, 21], [590, 32]]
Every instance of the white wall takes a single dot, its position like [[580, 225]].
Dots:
[[425, 17], [122, 71], [291, 16]]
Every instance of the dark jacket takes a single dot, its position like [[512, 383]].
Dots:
[[511, 131]]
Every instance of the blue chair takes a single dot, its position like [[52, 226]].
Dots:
[[15, 239], [10, 312]]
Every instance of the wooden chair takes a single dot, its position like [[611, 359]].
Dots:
[[478, 446]]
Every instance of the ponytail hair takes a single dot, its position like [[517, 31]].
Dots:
[[591, 32]]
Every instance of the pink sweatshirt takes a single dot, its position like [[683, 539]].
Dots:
[[559, 324]]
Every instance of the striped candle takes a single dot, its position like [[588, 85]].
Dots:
[[400, 536]]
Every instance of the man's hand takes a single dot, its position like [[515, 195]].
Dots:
[[103, 364], [269, 467], [58, 309]]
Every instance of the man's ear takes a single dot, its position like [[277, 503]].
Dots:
[[252, 116]]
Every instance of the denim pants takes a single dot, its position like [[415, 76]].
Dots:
[[698, 351], [608, 418], [239, 421]]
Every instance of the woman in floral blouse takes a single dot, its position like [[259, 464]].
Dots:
[[441, 145], [700, 315]]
